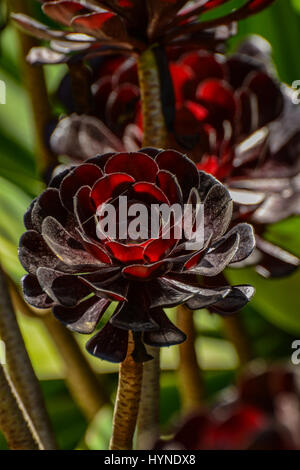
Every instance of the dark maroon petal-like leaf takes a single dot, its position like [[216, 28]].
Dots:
[[169, 293], [84, 211], [184, 169], [218, 97], [82, 137], [150, 193], [34, 252], [167, 334], [66, 289], [107, 283], [207, 181], [66, 248], [63, 11], [169, 185], [218, 258], [121, 107], [34, 294], [207, 297], [27, 216], [125, 253], [249, 8], [277, 207], [161, 13], [48, 204], [269, 97], [217, 212], [130, 316], [103, 26], [83, 175], [36, 28], [275, 261], [151, 151], [139, 353], [45, 56], [238, 297], [158, 249], [96, 249], [84, 317], [204, 65], [247, 241], [110, 344], [109, 187], [136, 164], [146, 272]]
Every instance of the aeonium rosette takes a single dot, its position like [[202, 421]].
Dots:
[[101, 27], [79, 274], [233, 117]]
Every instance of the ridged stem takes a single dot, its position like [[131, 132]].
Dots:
[[154, 126], [235, 331], [127, 401], [190, 378], [34, 80], [148, 419], [20, 369], [14, 422], [155, 135], [89, 392]]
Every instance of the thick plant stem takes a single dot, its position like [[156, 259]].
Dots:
[[14, 421], [155, 135], [154, 127], [87, 390], [20, 369], [127, 401], [236, 332], [34, 80], [148, 420], [190, 378]]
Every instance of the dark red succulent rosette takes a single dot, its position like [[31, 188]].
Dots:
[[79, 274], [233, 118], [240, 125], [101, 27], [237, 427], [261, 415]]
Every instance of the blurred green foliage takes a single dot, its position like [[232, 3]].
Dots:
[[272, 320]]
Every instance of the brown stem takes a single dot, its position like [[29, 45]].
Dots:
[[236, 332], [155, 135], [148, 420], [190, 378], [89, 392], [14, 421], [127, 401], [35, 83], [154, 126], [20, 369]]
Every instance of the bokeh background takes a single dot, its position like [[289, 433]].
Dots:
[[271, 321]]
